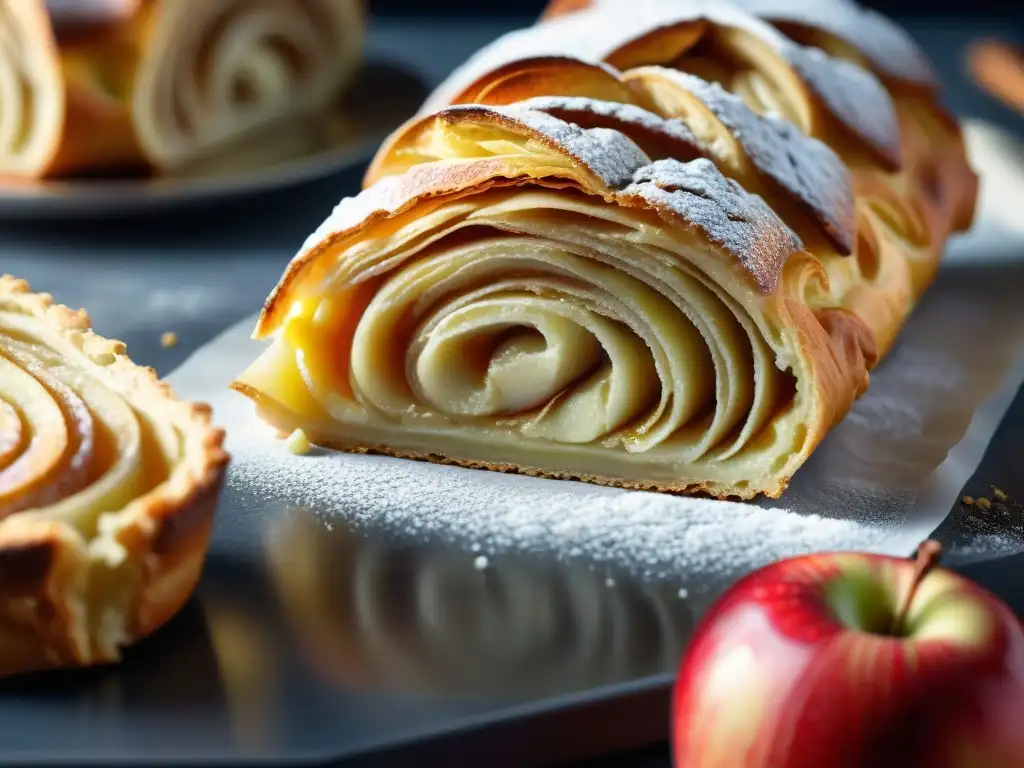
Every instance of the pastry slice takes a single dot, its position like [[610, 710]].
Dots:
[[133, 85], [108, 486], [61, 105], [549, 300], [218, 70]]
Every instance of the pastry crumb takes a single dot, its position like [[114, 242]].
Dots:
[[984, 503], [298, 443], [968, 500], [998, 493], [168, 339]]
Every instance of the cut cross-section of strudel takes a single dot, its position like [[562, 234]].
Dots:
[[552, 301], [110, 85], [108, 485]]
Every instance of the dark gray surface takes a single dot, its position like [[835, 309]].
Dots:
[[234, 676]]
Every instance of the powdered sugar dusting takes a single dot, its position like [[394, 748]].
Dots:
[[591, 36], [742, 223], [651, 534], [853, 95], [695, 192], [804, 167], [889, 48], [610, 155], [576, 108]]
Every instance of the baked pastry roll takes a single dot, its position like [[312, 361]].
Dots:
[[829, 98], [113, 85], [548, 300], [107, 490]]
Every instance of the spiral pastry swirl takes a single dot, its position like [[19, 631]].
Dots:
[[546, 298], [215, 71], [107, 490], [370, 613]]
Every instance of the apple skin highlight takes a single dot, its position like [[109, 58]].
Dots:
[[800, 665]]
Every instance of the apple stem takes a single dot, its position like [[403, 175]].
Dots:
[[928, 556]]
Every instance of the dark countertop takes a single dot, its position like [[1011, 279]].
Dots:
[[196, 271]]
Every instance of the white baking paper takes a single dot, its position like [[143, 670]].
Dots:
[[882, 480]]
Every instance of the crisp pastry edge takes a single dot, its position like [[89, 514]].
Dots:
[[167, 537]]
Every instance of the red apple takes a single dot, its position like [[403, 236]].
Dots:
[[840, 660]]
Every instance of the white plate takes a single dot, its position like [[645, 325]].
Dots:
[[301, 151]]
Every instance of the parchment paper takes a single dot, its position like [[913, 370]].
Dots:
[[882, 481]]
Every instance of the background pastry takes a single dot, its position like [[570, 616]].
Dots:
[[998, 67], [107, 490], [119, 85]]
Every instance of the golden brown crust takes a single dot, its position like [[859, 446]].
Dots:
[[936, 187], [46, 566], [946, 186]]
